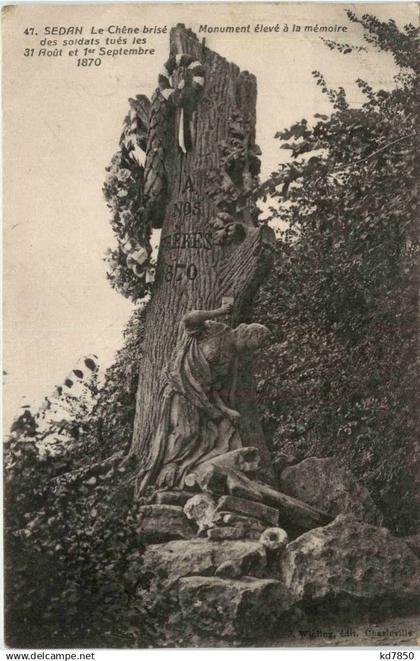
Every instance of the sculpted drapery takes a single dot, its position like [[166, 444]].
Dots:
[[197, 416]]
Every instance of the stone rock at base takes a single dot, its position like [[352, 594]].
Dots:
[[249, 607], [233, 532], [161, 523], [251, 508], [242, 565], [413, 542], [275, 539], [348, 563], [327, 485], [178, 559], [201, 508], [172, 497]]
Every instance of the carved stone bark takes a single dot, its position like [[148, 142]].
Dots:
[[192, 271]]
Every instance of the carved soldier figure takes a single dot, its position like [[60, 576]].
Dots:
[[197, 416]]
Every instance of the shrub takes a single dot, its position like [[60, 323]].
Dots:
[[342, 297], [73, 555]]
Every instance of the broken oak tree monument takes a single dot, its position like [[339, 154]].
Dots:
[[191, 190], [196, 426]]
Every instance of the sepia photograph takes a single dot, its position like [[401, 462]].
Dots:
[[210, 325]]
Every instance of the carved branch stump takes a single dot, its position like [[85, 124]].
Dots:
[[220, 478]]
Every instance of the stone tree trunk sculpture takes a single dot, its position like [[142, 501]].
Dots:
[[201, 167]]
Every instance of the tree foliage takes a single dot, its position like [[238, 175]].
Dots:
[[73, 569], [342, 298], [130, 263], [113, 416]]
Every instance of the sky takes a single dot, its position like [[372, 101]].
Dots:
[[61, 127]]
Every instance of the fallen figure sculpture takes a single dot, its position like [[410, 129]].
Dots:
[[197, 447]]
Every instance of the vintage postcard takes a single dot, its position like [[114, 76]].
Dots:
[[210, 325]]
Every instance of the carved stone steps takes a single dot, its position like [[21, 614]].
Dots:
[[227, 518], [161, 523], [172, 497], [249, 508]]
